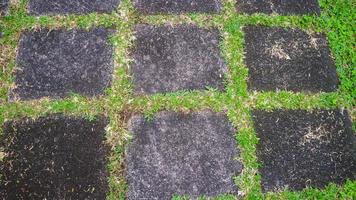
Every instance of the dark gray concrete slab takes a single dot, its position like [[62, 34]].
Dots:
[[4, 6], [288, 59], [283, 7], [299, 149], [50, 7], [56, 62], [186, 154], [55, 157], [176, 7], [169, 59]]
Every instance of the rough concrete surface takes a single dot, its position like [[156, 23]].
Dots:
[[169, 59], [54, 63], [176, 7], [283, 7], [4, 5], [299, 149], [48, 7], [185, 154], [288, 59], [55, 157]]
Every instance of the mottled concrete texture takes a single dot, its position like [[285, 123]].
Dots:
[[176, 7], [57, 62], [4, 5], [283, 7], [186, 154], [55, 157], [169, 59], [45, 7], [288, 59], [299, 149]]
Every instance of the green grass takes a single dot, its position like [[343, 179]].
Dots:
[[336, 21]]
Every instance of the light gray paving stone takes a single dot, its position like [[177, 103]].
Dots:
[[186, 154], [176, 7], [4, 7], [171, 59], [51, 7]]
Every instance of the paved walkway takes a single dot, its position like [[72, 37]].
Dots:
[[193, 153]]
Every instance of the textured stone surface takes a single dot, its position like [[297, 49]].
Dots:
[[169, 59], [176, 7], [288, 59], [283, 7], [56, 157], [4, 4], [186, 154], [299, 149], [57, 62], [45, 7]]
